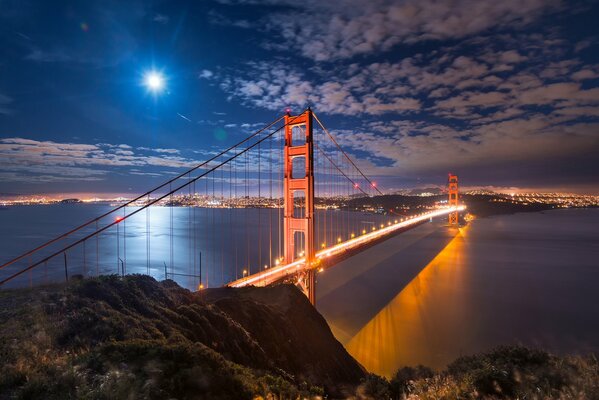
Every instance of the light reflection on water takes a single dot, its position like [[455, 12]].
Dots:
[[227, 241], [420, 321], [523, 278]]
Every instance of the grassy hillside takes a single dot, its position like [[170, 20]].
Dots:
[[135, 337], [512, 372]]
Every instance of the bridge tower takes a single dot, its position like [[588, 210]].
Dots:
[[452, 189], [298, 183]]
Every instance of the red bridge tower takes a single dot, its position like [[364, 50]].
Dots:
[[299, 185], [452, 189]]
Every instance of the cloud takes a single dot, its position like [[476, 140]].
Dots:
[[275, 86], [23, 158], [5, 102], [161, 19], [583, 44], [205, 74], [216, 18], [496, 111], [584, 74], [494, 83], [420, 148], [346, 28], [44, 56]]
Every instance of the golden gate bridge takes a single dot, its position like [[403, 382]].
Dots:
[[279, 203]]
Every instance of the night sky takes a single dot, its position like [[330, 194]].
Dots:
[[503, 93]]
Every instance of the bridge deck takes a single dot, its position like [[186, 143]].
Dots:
[[280, 272]]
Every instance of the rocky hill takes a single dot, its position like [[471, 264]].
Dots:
[[134, 337]]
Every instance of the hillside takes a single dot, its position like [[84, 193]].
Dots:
[[479, 205], [135, 337]]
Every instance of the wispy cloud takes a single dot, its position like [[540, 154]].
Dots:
[[29, 160], [48, 56], [346, 28], [5, 103], [161, 18]]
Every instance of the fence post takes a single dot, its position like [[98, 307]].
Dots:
[[66, 272]]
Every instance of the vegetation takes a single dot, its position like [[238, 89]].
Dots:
[[513, 372], [135, 338]]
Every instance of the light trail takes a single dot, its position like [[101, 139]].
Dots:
[[277, 273]]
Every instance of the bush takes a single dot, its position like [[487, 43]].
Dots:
[[513, 371], [403, 380], [374, 387]]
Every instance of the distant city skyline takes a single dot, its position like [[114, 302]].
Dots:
[[111, 100]]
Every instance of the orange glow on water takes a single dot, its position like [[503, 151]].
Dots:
[[412, 327]]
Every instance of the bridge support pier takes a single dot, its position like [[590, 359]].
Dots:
[[307, 282], [299, 184]]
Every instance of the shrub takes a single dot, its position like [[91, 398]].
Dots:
[[403, 380], [374, 387]]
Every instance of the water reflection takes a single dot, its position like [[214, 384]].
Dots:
[[181, 243], [527, 278], [421, 321]]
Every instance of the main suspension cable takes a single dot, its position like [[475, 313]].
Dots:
[[345, 154], [208, 171]]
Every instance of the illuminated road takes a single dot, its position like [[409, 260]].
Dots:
[[280, 272]]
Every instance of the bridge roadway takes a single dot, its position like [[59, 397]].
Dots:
[[336, 253]]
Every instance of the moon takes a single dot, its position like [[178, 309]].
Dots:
[[154, 81]]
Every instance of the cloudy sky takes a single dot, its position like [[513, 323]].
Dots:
[[504, 93]]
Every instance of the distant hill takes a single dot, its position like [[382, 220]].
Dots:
[[479, 205]]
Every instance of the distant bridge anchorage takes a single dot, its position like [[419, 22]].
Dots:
[[262, 211]]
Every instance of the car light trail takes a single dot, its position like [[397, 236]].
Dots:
[[274, 274]]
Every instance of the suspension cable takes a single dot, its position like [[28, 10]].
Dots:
[[340, 170], [231, 158], [6, 264], [345, 154]]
